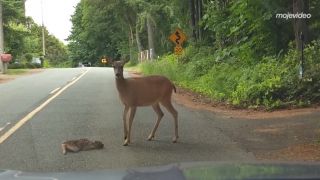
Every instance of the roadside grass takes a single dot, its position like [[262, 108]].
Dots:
[[136, 68], [268, 83], [17, 71]]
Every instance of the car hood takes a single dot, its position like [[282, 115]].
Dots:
[[182, 171]]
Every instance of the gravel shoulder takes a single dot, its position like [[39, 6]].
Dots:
[[9, 77]]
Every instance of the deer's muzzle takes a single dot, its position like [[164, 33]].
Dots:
[[118, 75]]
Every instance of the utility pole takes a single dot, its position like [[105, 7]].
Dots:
[[2, 65]]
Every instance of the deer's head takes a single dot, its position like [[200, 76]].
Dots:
[[98, 144], [118, 68]]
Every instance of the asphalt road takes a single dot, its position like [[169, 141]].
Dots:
[[90, 108]]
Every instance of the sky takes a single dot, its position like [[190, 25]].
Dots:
[[56, 15]]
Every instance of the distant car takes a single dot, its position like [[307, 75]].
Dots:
[[36, 60], [84, 64]]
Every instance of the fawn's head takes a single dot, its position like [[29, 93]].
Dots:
[[118, 68], [98, 144]]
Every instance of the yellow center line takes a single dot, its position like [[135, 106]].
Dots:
[[21, 122]]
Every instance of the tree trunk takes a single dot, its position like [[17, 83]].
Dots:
[[193, 19], [130, 42], [200, 7], [138, 39], [196, 16], [300, 24], [24, 6], [150, 38]]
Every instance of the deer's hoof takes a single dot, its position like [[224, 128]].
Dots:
[[150, 137], [175, 140], [126, 142]]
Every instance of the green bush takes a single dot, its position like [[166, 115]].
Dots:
[[16, 66], [24, 66], [66, 64], [28, 57], [32, 65], [306, 90], [46, 64], [259, 85], [167, 65]]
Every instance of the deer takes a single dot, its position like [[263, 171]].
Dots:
[[80, 145], [144, 91]]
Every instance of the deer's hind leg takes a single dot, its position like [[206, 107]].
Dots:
[[69, 148], [168, 105], [64, 148], [157, 109]]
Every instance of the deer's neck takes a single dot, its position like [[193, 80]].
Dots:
[[121, 85]]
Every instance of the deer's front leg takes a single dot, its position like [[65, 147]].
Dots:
[[125, 128], [131, 116]]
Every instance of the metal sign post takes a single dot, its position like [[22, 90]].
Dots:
[[301, 69]]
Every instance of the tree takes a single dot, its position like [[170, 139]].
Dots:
[[122, 27], [14, 29], [22, 36], [300, 24]]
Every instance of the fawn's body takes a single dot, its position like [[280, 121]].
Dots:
[[80, 145]]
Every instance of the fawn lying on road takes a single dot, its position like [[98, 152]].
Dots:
[[80, 145]]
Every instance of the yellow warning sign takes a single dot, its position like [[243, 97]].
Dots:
[[104, 61], [178, 50], [178, 37]]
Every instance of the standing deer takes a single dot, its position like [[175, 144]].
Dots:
[[144, 91]]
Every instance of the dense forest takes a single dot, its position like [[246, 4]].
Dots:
[[23, 38], [237, 51], [126, 27]]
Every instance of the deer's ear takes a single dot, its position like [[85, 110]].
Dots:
[[125, 61], [111, 62]]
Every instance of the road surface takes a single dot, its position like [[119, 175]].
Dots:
[[90, 108]]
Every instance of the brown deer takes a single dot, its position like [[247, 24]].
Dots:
[[144, 91]]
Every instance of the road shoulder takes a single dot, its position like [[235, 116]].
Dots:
[[9, 77]]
